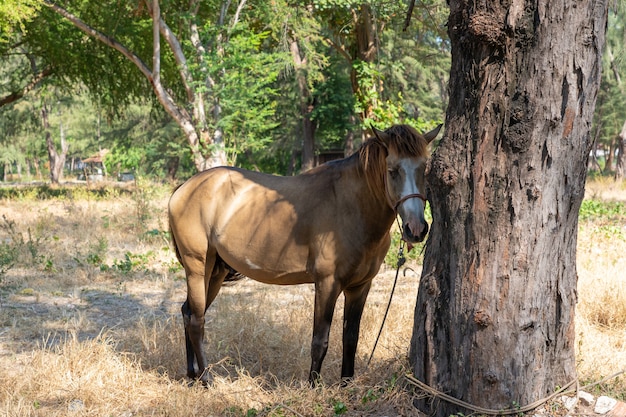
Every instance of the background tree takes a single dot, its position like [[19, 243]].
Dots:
[[270, 80], [13, 15], [415, 62], [494, 319], [610, 117], [191, 63]]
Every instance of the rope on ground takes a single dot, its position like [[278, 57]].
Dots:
[[401, 261], [561, 391]]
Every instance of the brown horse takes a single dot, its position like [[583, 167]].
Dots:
[[329, 227]]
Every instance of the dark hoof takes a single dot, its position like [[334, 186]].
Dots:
[[315, 380], [196, 382], [204, 379]]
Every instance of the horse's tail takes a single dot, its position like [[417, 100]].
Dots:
[[172, 233], [175, 246]]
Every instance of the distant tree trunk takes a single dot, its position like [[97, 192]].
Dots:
[[37, 169], [360, 52], [594, 165], [307, 106], [610, 156], [350, 144], [172, 168], [57, 160], [348, 149], [494, 318], [620, 166]]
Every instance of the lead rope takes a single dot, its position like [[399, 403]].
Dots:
[[401, 261]]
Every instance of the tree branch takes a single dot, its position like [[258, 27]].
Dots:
[[16, 95], [177, 51], [339, 49], [179, 114], [107, 40], [235, 20], [156, 42], [409, 14]]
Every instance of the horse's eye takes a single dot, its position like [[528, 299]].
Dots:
[[393, 172]]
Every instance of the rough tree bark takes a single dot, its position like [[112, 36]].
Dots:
[[494, 319]]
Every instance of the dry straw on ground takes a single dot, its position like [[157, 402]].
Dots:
[[90, 323]]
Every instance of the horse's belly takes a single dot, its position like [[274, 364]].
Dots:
[[268, 264], [265, 254]]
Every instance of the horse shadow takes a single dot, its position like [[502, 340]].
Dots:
[[252, 329]]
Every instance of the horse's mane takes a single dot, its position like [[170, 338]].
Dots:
[[402, 140]]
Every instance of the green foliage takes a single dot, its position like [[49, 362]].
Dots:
[[47, 192], [130, 263], [8, 258], [371, 395], [97, 252], [605, 218], [610, 113], [609, 211], [14, 14], [23, 247], [247, 97], [244, 74], [143, 195], [339, 407]]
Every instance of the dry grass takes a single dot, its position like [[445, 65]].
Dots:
[[601, 313], [90, 324]]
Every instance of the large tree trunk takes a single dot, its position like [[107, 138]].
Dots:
[[494, 319]]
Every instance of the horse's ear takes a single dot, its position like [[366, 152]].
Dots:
[[432, 134], [378, 134]]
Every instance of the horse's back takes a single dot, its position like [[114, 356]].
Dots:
[[254, 222]]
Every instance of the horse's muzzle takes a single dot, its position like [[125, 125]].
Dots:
[[414, 236]]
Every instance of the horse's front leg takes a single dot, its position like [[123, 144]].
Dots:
[[353, 311], [326, 293]]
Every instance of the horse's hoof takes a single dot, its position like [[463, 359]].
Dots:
[[315, 381], [205, 383]]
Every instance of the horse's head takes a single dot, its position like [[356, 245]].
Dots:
[[407, 153]]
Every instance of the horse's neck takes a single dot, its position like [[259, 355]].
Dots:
[[372, 198]]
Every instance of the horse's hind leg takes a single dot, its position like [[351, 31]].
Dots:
[[352, 313], [191, 357], [201, 291]]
